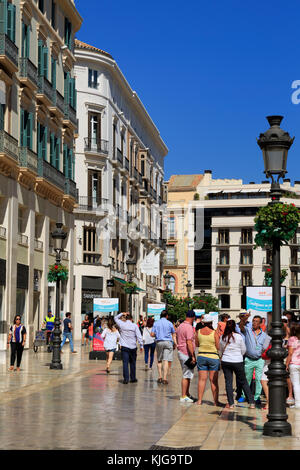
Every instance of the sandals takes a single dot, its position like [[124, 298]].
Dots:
[[252, 406], [165, 382], [159, 381]]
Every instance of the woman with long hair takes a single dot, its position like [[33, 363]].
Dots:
[[149, 343], [208, 363], [16, 339], [293, 362], [232, 350], [84, 329], [111, 336]]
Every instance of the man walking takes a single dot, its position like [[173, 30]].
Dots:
[[256, 342], [186, 351], [67, 333], [129, 336], [164, 332]]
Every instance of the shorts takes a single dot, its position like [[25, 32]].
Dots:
[[91, 338], [111, 350], [208, 363], [187, 373], [84, 331], [164, 351], [265, 369]]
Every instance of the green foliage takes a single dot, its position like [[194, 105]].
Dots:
[[57, 272], [130, 287], [178, 306], [276, 221], [268, 276], [196, 197]]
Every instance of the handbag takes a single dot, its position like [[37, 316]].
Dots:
[[190, 364]]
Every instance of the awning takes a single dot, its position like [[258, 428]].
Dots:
[[123, 282], [250, 190], [229, 191], [213, 191]]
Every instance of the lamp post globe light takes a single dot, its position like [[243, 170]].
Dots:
[[59, 237], [130, 269], [275, 143], [167, 279]]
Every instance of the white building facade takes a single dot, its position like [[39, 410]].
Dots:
[[119, 172]]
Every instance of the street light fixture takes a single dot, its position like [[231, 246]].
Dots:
[[275, 144], [202, 293], [167, 279], [189, 289], [131, 263], [59, 237]]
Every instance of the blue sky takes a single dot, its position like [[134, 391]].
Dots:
[[208, 72]]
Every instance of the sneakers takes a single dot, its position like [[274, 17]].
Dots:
[[241, 400], [290, 401], [297, 407], [133, 381], [146, 367], [186, 400], [192, 398], [125, 382]]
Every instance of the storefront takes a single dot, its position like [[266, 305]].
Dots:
[[22, 292], [3, 323], [92, 287]]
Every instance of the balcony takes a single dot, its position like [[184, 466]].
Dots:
[[92, 258], [246, 241], [28, 159], [246, 262], [9, 153], [70, 188], [38, 245], [22, 239], [2, 232], [28, 74], [58, 103], [223, 262], [295, 284], [8, 53], [87, 204], [96, 146], [45, 91], [222, 242], [170, 262], [70, 118], [222, 284], [51, 174], [295, 262], [246, 283]]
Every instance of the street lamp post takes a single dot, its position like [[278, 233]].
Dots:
[[189, 290], [167, 278], [59, 237], [130, 269], [275, 144]]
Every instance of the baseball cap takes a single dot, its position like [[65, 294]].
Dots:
[[284, 317], [190, 314]]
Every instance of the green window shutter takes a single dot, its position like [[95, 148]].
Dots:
[[3, 16], [65, 167], [57, 156], [53, 72], [2, 111], [27, 42], [67, 87], [11, 22], [38, 140], [40, 58], [52, 149], [71, 96], [22, 128], [45, 62], [28, 121], [44, 143], [70, 164]]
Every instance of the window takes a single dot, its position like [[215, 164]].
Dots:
[[224, 257], [8, 19], [53, 14], [93, 79], [41, 141], [170, 256], [42, 59], [246, 235], [94, 188], [94, 130], [172, 284], [224, 301], [25, 49], [223, 238], [171, 227], [90, 254], [223, 278], [68, 162], [246, 257], [70, 90], [26, 129], [55, 151], [294, 301], [68, 33], [246, 278], [41, 5]]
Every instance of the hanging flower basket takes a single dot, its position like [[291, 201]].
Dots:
[[58, 272], [276, 221], [130, 287], [268, 276]]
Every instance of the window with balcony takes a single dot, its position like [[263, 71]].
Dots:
[[224, 257], [90, 245], [170, 258], [55, 151], [26, 128], [246, 257], [246, 278], [41, 141], [94, 131], [8, 16], [224, 301], [223, 237], [171, 227], [246, 236], [223, 279], [25, 49], [94, 188], [42, 59], [68, 33], [93, 79]]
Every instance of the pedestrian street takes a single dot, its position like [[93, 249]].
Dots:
[[81, 407]]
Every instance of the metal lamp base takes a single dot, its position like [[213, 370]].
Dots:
[[56, 366], [277, 429]]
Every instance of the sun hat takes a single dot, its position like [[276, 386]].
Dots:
[[207, 318]]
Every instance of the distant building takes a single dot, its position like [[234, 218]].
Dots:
[[227, 261]]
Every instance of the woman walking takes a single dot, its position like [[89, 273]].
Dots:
[[16, 339], [232, 350], [84, 328], [208, 363], [149, 343], [111, 336], [293, 362]]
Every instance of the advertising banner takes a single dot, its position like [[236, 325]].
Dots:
[[105, 305], [154, 310], [215, 316], [259, 300]]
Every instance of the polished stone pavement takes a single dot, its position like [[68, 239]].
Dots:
[[81, 407]]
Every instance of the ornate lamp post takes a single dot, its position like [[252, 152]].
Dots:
[[189, 290], [167, 278], [59, 237], [130, 269], [275, 144]]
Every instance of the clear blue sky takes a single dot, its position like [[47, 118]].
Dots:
[[208, 72]]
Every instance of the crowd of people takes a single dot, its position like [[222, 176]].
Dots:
[[239, 349]]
